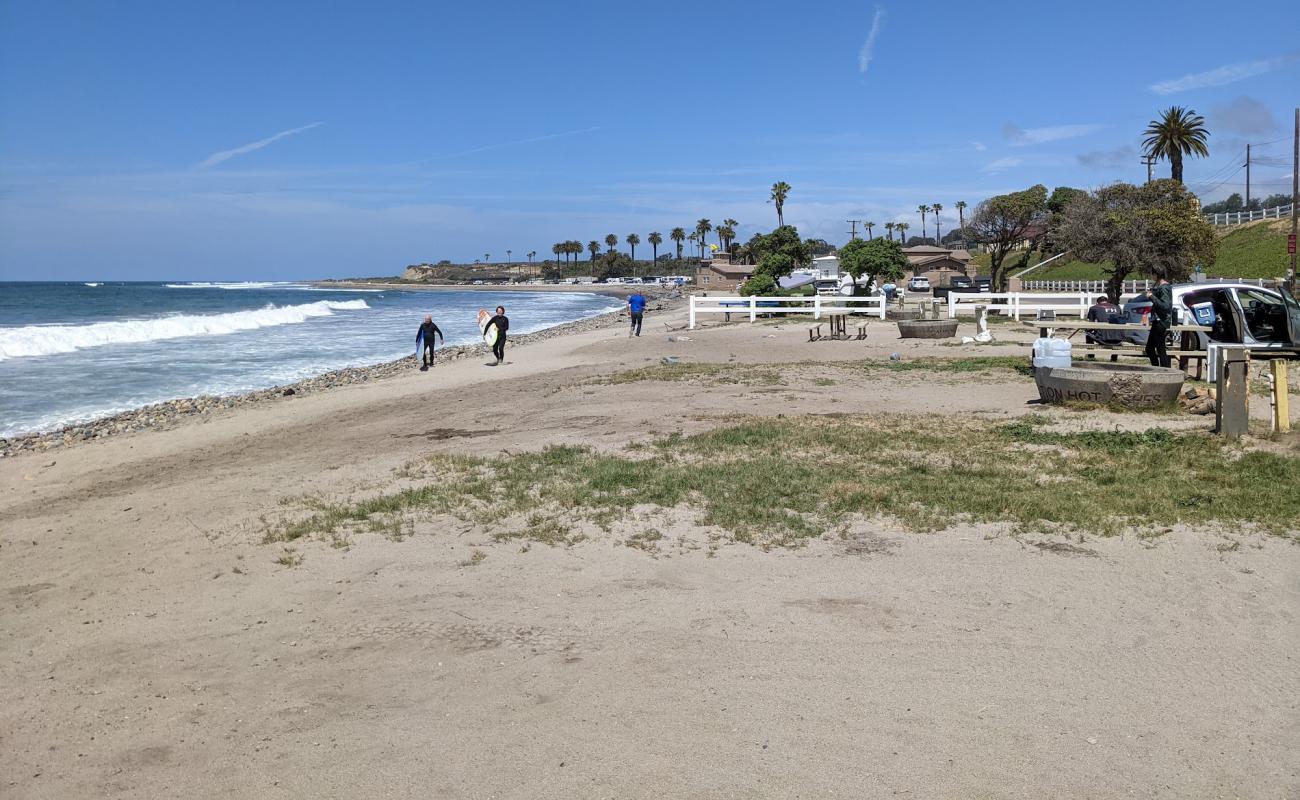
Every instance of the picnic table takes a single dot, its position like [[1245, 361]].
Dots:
[[1185, 353]]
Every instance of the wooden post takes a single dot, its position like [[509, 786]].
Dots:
[[1281, 397], [1232, 415]]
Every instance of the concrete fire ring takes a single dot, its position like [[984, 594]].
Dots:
[[927, 328], [1124, 385]]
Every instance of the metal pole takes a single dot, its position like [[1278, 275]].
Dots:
[[1295, 198], [1248, 177]]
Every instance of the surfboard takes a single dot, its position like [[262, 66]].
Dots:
[[489, 331]]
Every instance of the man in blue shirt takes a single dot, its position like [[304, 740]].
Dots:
[[636, 307]]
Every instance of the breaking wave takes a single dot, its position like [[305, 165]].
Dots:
[[44, 340], [218, 285]]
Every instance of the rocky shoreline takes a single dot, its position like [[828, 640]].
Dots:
[[173, 412]]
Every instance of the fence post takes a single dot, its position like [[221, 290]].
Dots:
[[753, 307], [952, 306], [1015, 305], [881, 310], [817, 306], [691, 326]]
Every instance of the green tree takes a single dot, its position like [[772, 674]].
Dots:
[[729, 226], [557, 248], [678, 235], [702, 228], [869, 226], [902, 228], [961, 213], [936, 208], [889, 228], [1001, 222], [593, 247], [1155, 229], [780, 191], [760, 284], [655, 239], [1178, 132], [611, 241], [632, 241], [924, 210], [878, 259]]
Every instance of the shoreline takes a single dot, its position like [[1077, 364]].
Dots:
[[169, 413], [610, 290]]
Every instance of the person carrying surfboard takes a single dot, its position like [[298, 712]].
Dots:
[[424, 342], [502, 324]]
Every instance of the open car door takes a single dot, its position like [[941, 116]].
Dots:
[[1292, 316]]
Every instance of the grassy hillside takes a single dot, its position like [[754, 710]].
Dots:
[[1255, 250]]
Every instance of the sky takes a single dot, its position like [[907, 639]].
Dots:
[[290, 140]]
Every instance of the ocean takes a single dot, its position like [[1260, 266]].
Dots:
[[74, 352]]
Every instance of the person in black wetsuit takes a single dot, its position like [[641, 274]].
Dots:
[[1162, 319], [503, 324], [424, 342]]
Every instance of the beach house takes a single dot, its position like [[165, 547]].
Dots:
[[720, 275], [938, 264]]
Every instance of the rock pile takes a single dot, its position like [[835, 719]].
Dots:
[[172, 412], [1198, 400]]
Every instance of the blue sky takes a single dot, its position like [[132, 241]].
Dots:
[[166, 140]]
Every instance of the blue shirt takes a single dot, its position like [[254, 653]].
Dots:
[[637, 303]]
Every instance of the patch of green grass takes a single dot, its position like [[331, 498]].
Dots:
[[747, 374], [778, 482], [1252, 251], [475, 558], [1017, 364], [289, 557], [823, 382], [647, 540]]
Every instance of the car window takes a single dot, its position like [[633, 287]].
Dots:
[[1265, 315]]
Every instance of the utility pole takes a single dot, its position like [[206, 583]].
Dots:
[[1248, 177], [1150, 161], [853, 231], [1295, 201]]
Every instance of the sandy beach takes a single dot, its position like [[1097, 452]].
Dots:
[[160, 641]]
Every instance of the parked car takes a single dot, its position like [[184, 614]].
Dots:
[[1237, 313], [918, 284], [984, 283]]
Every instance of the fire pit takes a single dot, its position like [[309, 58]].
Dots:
[[1124, 385], [927, 328], [897, 314]]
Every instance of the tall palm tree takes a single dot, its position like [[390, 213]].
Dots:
[[693, 238], [678, 235], [936, 208], [924, 210], [593, 247], [889, 226], [575, 247], [655, 239], [730, 226], [1179, 131], [961, 220], [557, 249], [632, 241], [531, 255], [869, 226], [702, 228], [611, 241], [780, 191], [902, 227]]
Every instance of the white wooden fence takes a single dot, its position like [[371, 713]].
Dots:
[[817, 305], [1015, 304], [1238, 217], [1095, 287]]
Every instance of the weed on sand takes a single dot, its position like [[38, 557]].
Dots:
[[777, 482]]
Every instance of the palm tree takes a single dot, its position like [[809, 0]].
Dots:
[[869, 226], [678, 235], [593, 247], [632, 241], [902, 227], [780, 191], [611, 241], [936, 208], [1178, 132], [702, 228], [575, 247], [693, 238], [924, 210], [889, 226], [531, 255], [655, 239], [729, 225], [557, 249]]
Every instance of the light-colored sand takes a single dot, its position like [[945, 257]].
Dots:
[[150, 647]]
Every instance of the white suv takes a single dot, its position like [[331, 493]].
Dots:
[[918, 284]]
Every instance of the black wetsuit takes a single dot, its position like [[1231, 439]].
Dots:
[[424, 339], [503, 324], [1162, 319]]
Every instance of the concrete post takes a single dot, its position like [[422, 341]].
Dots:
[[1232, 415]]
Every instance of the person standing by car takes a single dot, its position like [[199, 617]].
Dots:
[[636, 309], [1162, 319], [1105, 311]]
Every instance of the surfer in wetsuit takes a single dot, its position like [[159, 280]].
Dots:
[[424, 342], [503, 324]]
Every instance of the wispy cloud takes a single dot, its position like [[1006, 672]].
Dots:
[[1022, 137], [869, 46], [994, 167], [225, 155], [1244, 115], [980, 147], [516, 143], [1109, 159], [1228, 73]]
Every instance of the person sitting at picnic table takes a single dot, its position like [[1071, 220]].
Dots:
[[1103, 310]]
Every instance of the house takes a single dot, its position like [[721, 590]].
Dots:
[[722, 276], [938, 264]]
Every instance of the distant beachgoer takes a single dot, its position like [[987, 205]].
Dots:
[[1162, 319], [503, 324], [636, 307], [890, 290], [424, 341], [1105, 311]]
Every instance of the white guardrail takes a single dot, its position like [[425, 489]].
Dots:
[[1238, 217], [816, 305], [1014, 304]]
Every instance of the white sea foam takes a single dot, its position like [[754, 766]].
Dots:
[[44, 340], [220, 285], [93, 285]]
